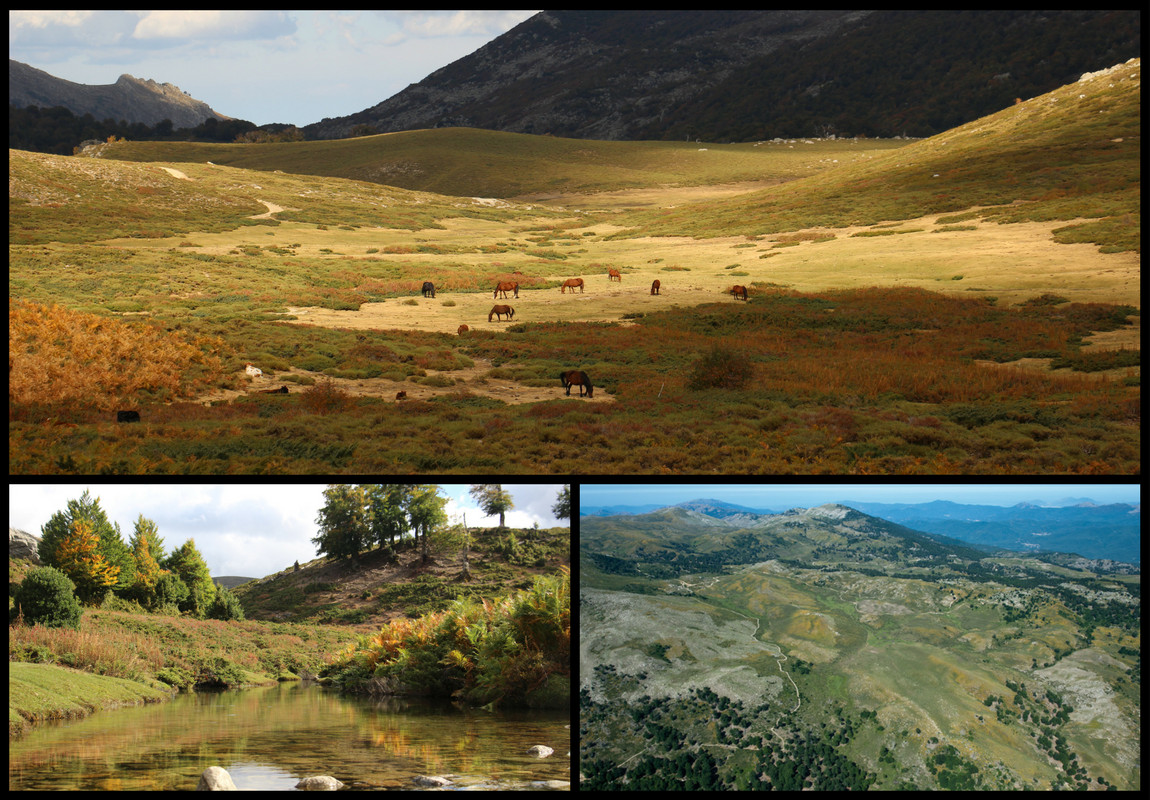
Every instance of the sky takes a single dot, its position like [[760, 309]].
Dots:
[[780, 497], [247, 530], [263, 66]]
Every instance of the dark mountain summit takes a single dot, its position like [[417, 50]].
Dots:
[[746, 75]]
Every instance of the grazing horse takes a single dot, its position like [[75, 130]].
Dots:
[[738, 291], [576, 377], [400, 396], [463, 329], [655, 286], [127, 416], [614, 275], [428, 289], [571, 283], [505, 288], [499, 311]]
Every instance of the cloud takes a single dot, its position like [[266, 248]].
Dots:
[[214, 25], [460, 23]]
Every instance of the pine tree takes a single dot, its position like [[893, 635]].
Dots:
[[187, 563]]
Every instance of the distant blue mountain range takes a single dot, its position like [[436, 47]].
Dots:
[[1086, 528]]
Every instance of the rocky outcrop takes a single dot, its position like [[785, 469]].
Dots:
[[22, 544], [129, 98]]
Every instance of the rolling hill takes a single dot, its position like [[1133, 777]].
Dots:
[[1071, 153]]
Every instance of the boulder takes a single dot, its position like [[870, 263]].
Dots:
[[216, 779], [22, 544], [540, 751], [430, 780], [319, 783]]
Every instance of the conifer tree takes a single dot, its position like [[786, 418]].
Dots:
[[187, 563], [78, 556], [147, 550], [111, 544]]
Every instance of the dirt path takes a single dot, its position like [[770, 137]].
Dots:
[[472, 380]]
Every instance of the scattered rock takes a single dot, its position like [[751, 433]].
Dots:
[[216, 779], [319, 783], [540, 751], [430, 780]]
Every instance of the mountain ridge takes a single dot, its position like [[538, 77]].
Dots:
[[724, 76], [129, 98]]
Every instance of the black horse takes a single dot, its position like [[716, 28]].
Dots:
[[578, 378], [428, 289]]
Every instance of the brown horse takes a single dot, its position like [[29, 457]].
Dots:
[[738, 291], [614, 275], [578, 378], [463, 329], [428, 289], [505, 288], [499, 311], [571, 283], [655, 286]]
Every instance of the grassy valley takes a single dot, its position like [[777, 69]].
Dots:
[[856, 654], [985, 320]]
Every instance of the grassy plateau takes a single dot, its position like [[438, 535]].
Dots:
[[968, 303]]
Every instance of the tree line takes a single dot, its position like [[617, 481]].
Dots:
[[86, 561]]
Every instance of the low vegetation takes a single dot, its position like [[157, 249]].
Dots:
[[510, 651]]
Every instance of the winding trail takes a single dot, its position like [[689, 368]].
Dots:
[[778, 656]]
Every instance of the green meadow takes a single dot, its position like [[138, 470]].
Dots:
[[968, 303]]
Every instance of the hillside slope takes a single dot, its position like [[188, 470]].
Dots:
[[374, 590], [1071, 153], [727, 76]]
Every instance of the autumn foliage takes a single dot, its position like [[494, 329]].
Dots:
[[59, 358], [78, 556]]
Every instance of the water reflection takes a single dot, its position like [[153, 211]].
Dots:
[[269, 738]]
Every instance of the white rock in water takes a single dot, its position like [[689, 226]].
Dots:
[[432, 780], [216, 779], [540, 751], [319, 783]]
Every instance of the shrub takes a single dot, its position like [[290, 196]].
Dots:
[[225, 606], [48, 597], [721, 368]]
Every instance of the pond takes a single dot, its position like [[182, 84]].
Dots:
[[270, 737]]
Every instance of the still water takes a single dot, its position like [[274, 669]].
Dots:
[[269, 738]]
